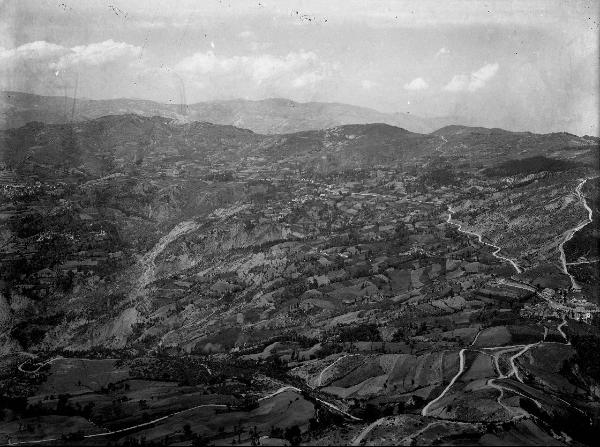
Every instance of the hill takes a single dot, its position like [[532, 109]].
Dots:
[[161, 278], [493, 145], [112, 143], [269, 116]]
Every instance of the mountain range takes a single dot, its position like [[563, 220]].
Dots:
[[268, 116], [162, 278]]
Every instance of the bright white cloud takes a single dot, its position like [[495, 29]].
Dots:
[[367, 84], [474, 81], [458, 83], [46, 55], [308, 79], [480, 77], [33, 51], [298, 75], [297, 69], [247, 34], [442, 51], [96, 54], [416, 84], [50, 68]]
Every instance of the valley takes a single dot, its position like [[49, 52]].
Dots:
[[201, 284]]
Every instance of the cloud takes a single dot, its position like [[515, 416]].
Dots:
[[260, 46], [308, 79], [474, 81], [105, 68], [46, 56], [33, 51], [97, 54], [295, 70], [442, 51], [367, 84], [247, 34], [416, 84], [47, 68], [458, 83], [480, 77]]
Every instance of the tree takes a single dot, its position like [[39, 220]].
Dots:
[[402, 232], [254, 436], [293, 435]]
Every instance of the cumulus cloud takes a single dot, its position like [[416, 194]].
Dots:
[[96, 54], [31, 51], [59, 57], [97, 70], [416, 84], [258, 67], [442, 51], [111, 66], [295, 70], [367, 84], [247, 34], [474, 81], [308, 79], [480, 77], [458, 83], [50, 66]]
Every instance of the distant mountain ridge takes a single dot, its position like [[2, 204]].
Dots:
[[105, 145], [111, 143], [268, 116]]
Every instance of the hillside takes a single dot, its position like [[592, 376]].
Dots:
[[112, 143], [494, 144], [359, 282], [269, 116]]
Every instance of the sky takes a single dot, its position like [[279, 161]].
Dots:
[[519, 65]]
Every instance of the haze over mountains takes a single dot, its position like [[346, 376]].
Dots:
[[268, 116]]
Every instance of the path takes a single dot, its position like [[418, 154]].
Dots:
[[154, 421], [279, 391], [572, 231], [409, 439], [123, 430], [515, 370], [358, 439], [461, 369], [480, 238], [336, 408], [559, 329], [40, 365], [320, 379], [491, 383]]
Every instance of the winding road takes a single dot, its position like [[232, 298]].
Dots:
[[515, 370], [358, 439], [320, 379], [160, 419], [572, 231], [559, 329], [480, 238], [123, 430], [461, 369], [498, 351], [40, 365]]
